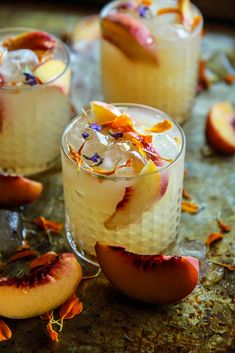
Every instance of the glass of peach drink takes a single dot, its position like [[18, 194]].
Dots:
[[122, 172], [34, 99], [149, 53]]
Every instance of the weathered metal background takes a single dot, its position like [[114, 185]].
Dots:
[[111, 323]]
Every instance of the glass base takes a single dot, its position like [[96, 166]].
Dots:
[[84, 255]]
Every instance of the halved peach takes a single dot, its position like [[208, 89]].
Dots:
[[42, 290], [155, 279], [50, 70], [220, 127], [35, 40], [17, 190], [137, 198], [130, 35], [103, 112]]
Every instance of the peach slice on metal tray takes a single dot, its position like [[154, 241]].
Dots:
[[54, 70], [130, 35], [35, 40], [137, 199], [155, 279], [41, 290], [17, 190], [220, 127]]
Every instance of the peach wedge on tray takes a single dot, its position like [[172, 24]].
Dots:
[[155, 279], [17, 190], [42, 289]]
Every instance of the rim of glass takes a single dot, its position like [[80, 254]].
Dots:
[[28, 29], [104, 11], [155, 110]]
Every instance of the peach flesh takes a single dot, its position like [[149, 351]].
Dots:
[[42, 290], [30, 40], [129, 35], [17, 190], [220, 127], [155, 279]]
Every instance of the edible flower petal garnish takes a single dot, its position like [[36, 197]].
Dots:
[[116, 135], [167, 10], [186, 194], [161, 127], [52, 333], [30, 79], [213, 237], [76, 156], [143, 10], [22, 254], [5, 331], [42, 260], [95, 158], [189, 207], [85, 135], [225, 228], [225, 265], [95, 126], [121, 123], [71, 308], [48, 225]]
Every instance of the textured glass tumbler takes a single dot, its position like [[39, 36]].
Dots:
[[90, 199], [168, 82], [32, 118]]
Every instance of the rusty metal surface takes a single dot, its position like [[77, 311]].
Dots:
[[111, 323]]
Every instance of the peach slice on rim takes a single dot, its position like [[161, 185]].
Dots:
[[155, 279], [35, 40]]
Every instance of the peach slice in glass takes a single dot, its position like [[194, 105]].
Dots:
[[137, 198], [129, 35]]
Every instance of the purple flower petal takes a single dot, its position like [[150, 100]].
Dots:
[[95, 158], [143, 10], [85, 135], [95, 126], [30, 79], [116, 135]]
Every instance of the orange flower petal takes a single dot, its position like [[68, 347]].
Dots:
[[227, 266], [186, 194], [5, 331], [42, 260], [46, 224], [167, 10], [189, 207], [203, 79], [229, 79], [213, 237], [71, 308], [76, 156], [196, 20], [22, 254], [52, 333], [47, 316], [225, 228], [161, 127]]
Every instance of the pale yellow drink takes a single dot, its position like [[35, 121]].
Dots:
[[140, 210], [150, 60], [34, 100]]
